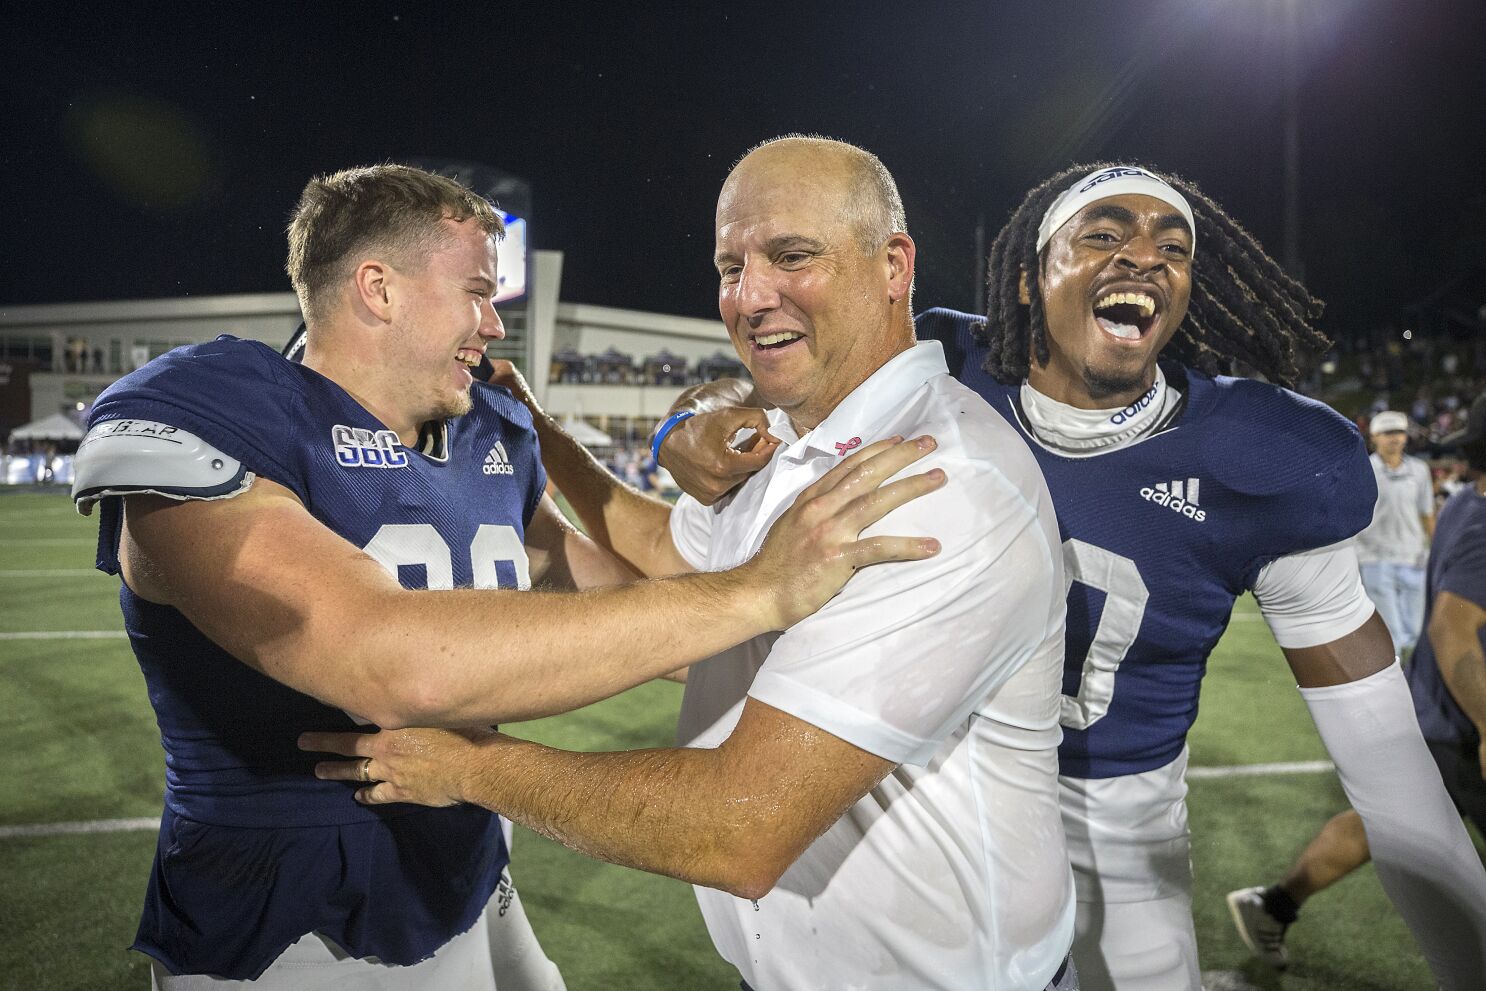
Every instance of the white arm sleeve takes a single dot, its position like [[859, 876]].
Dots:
[[1313, 597], [1424, 857]]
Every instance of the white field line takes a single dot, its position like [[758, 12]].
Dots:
[[51, 573], [48, 541], [70, 828], [142, 825], [1260, 770], [66, 635]]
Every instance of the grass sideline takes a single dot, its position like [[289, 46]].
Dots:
[[81, 745]]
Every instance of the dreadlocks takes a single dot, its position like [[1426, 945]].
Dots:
[[1244, 307]]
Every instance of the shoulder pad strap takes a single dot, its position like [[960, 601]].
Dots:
[[122, 457]]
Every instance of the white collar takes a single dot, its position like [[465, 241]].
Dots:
[[856, 418], [1070, 430]]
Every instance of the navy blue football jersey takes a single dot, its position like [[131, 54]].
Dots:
[[1457, 564], [1162, 535], [254, 851]]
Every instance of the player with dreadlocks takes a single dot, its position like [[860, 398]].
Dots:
[[1246, 309], [1177, 489]]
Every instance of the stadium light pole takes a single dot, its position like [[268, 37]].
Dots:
[[1291, 142]]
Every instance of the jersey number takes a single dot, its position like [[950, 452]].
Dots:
[[1125, 596], [419, 543]]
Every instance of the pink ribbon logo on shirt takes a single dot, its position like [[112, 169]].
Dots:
[[851, 445]]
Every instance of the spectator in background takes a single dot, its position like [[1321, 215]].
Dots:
[[1393, 548], [1419, 411], [1451, 479]]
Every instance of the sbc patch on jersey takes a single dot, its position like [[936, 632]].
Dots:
[[357, 447]]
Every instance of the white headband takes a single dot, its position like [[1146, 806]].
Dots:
[[1102, 184]]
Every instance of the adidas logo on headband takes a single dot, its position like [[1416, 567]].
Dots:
[[1115, 180], [1113, 173]]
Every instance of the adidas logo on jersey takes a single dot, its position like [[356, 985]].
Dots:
[[1177, 496], [496, 462], [357, 447]]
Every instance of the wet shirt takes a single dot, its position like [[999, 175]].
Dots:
[[951, 873]]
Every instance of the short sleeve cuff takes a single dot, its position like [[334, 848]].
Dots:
[[690, 524], [1299, 632], [1314, 597], [841, 720]]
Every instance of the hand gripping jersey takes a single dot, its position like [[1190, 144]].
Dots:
[[1162, 535], [254, 851]]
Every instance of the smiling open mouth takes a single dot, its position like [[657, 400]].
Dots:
[[1126, 315], [773, 342]]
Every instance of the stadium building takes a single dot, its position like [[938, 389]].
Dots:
[[615, 371]]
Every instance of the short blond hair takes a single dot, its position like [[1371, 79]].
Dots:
[[393, 209]]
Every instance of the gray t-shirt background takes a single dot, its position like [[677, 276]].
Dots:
[[1396, 534]]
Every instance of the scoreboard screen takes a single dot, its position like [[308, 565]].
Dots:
[[511, 197], [511, 259]]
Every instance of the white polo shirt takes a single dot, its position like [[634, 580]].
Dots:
[[952, 873]]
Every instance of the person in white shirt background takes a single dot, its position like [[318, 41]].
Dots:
[[1393, 549]]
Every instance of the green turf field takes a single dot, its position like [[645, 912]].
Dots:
[[80, 745]]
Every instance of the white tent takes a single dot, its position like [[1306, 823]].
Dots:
[[55, 427], [585, 433]]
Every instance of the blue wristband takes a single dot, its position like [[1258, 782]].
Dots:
[[664, 430]]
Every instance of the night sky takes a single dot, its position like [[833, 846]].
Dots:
[[158, 153]]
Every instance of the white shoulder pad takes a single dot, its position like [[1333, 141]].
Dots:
[[125, 457]]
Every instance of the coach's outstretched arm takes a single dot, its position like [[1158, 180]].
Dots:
[[736, 816], [269, 583], [1360, 702], [733, 817]]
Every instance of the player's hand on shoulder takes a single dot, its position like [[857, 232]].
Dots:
[[417, 766], [699, 453], [816, 546]]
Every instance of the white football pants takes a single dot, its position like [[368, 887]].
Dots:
[[1132, 871], [498, 953]]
